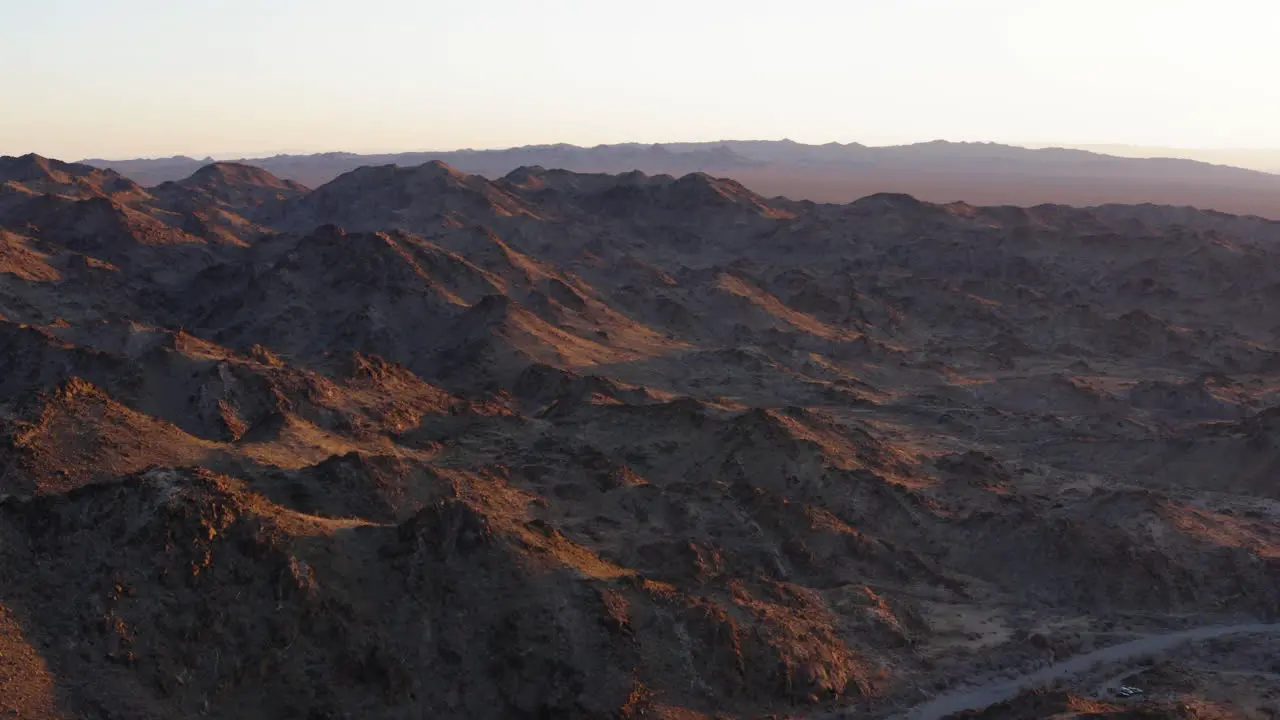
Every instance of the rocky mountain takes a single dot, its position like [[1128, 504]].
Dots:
[[231, 185], [977, 173], [420, 442], [32, 174], [153, 171]]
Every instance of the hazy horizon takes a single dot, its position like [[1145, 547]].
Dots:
[[1120, 149], [1259, 159], [142, 78]]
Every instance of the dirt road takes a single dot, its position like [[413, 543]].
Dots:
[[991, 693]]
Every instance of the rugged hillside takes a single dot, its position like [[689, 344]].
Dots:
[[422, 443], [229, 186], [35, 174]]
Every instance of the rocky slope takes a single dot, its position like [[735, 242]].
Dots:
[[583, 445]]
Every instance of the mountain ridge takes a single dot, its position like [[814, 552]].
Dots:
[[938, 171]]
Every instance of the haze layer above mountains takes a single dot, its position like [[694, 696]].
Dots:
[[418, 443], [979, 173]]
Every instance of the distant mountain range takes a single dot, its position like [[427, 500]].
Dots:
[[981, 173], [1248, 158]]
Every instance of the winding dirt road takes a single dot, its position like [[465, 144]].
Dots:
[[982, 696]]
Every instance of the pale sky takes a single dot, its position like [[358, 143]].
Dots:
[[126, 78]]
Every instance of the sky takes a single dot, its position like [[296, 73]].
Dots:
[[148, 78]]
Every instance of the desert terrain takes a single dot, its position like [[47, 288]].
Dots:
[[419, 443]]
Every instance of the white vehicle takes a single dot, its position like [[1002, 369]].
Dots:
[[1128, 691]]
